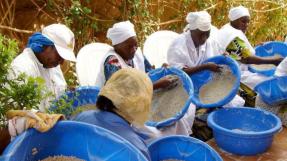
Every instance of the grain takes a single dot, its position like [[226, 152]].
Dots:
[[218, 87], [263, 66], [167, 103], [62, 158]]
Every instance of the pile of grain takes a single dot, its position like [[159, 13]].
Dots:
[[167, 103], [218, 87], [243, 131], [62, 158], [263, 66]]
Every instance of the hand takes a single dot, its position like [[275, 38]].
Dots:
[[278, 60], [226, 53], [16, 126], [164, 65], [167, 82], [213, 67]]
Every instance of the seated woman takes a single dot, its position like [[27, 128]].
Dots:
[[233, 40], [124, 100], [126, 54]]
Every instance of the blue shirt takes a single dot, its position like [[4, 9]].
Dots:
[[115, 124]]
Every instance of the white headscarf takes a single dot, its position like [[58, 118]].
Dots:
[[120, 32], [238, 12], [199, 20]]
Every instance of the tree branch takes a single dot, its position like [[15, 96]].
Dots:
[[41, 9], [167, 22], [16, 30], [269, 10]]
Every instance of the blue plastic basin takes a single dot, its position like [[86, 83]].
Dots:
[[68, 138], [269, 49], [81, 96], [273, 91], [201, 78], [187, 85], [182, 148], [243, 131]]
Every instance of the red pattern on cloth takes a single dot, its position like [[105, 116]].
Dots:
[[113, 60]]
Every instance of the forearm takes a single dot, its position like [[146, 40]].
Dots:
[[261, 60], [192, 70]]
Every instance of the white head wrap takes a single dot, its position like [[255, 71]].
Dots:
[[120, 32], [199, 20], [238, 12]]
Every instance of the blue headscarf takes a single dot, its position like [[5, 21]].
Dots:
[[37, 41]]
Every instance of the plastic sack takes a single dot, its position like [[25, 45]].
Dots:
[[273, 91], [188, 86], [88, 62], [182, 148], [269, 49], [156, 46], [69, 138], [81, 96], [201, 78]]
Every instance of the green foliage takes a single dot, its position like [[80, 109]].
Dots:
[[21, 92], [8, 50], [64, 105], [76, 18]]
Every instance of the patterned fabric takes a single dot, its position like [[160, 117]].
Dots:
[[238, 49], [112, 65]]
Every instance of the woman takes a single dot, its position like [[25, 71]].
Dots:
[[125, 54], [124, 101], [233, 40]]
